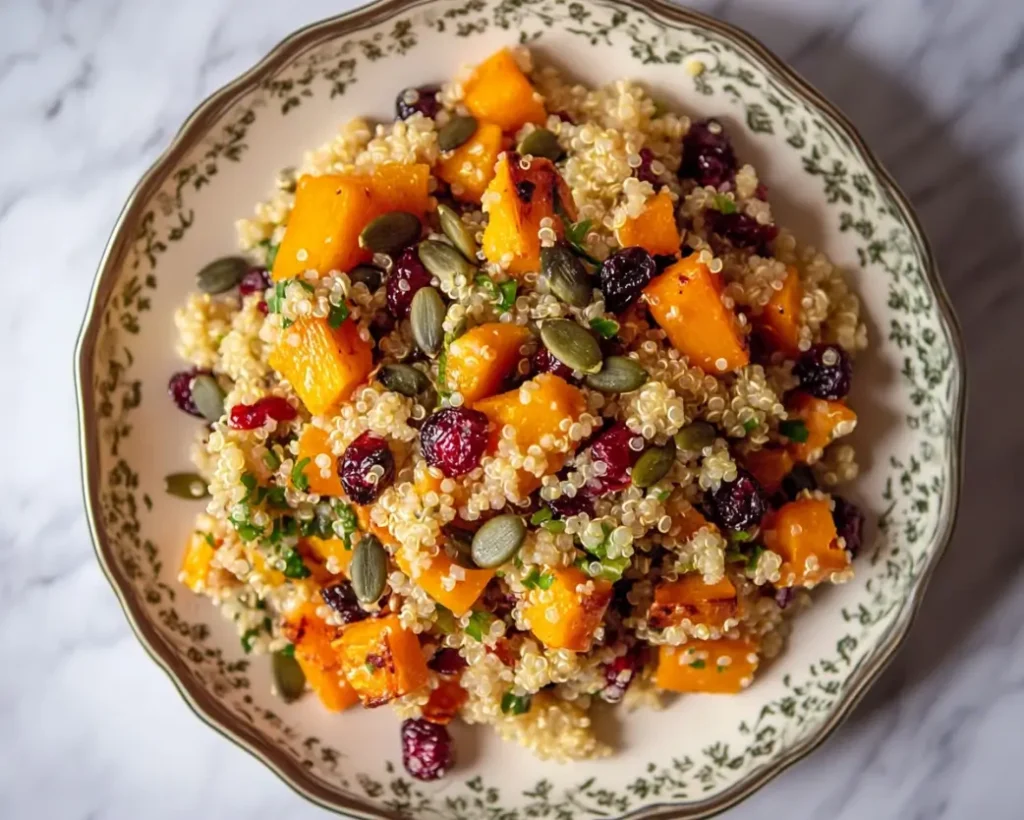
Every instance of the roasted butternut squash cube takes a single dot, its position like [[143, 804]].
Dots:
[[382, 660], [769, 465], [426, 482], [469, 169], [313, 442], [198, 560], [327, 548], [331, 211], [690, 599], [779, 322], [689, 522], [481, 358], [825, 422], [323, 364], [805, 535], [655, 229], [500, 93], [685, 302], [566, 615], [312, 637], [721, 666], [466, 585], [445, 701]]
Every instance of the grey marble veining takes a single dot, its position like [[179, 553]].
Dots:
[[92, 91]]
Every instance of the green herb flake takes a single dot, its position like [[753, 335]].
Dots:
[[349, 523], [444, 619], [485, 282], [542, 515], [719, 668], [275, 498], [754, 557], [735, 556], [270, 458], [750, 425], [605, 328], [299, 479], [795, 430], [337, 315], [479, 622], [370, 668], [289, 651], [576, 235], [209, 539], [554, 526], [514, 704], [306, 286], [249, 639], [294, 567], [698, 664], [276, 299], [507, 299], [662, 495], [724, 204], [249, 482], [246, 530], [272, 249], [535, 579], [740, 536]]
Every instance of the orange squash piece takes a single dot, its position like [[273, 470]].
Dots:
[[425, 482], [480, 359], [331, 211], [691, 520], [314, 442], [195, 566], [769, 465], [500, 93], [825, 420], [686, 304], [382, 660], [804, 534], [563, 616], [690, 599], [272, 577], [655, 229], [463, 594], [312, 637], [469, 169], [325, 365], [324, 548], [445, 701], [779, 322], [722, 666]]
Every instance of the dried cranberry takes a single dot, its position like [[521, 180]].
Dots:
[[454, 440], [262, 306], [497, 599], [426, 749], [421, 100], [407, 276], [623, 275], [708, 157], [251, 416], [761, 192], [544, 362], [800, 478], [619, 674], [256, 280], [367, 468], [180, 388], [849, 521], [564, 506], [825, 371], [342, 599], [643, 171], [612, 449], [447, 661], [784, 596], [739, 504], [663, 261], [742, 230]]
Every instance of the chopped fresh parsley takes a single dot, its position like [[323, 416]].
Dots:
[[271, 459], [605, 569], [299, 479], [275, 498], [249, 638], [576, 235], [554, 526], [754, 557], [507, 290], [349, 523], [514, 704], [535, 579], [444, 620], [741, 536], [209, 540], [294, 567], [305, 285], [542, 515], [271, 248], [794, 429], [337, 315], [605, 328], [698, 664], [249, 482], [275, 300], [479, 622], [724, 204], [662, 495], [750, 425], [371, 667], [289, 651]]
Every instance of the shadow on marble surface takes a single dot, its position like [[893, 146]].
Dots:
[[977, 233]]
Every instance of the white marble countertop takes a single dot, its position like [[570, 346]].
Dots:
[[91, 91]]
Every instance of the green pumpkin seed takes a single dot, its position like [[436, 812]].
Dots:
[[289, 679], [566, 276], [207, 397], [368, 275], [186, 485], [696, 436], [541, 143], [222, 274], [653, 465], [572, 345], [498, 541], [390, 232], [456, 132], [455, 229], [461, 544], [619, 375], [369, 569], [427, 318], [404, 379], [443, 261]]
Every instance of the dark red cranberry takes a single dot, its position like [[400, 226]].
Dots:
[[342, 599], [180, 388], [849, 520], [426, 749], [739, 504], [454, 440], [825, 371], [421, 100], [362, 483], [708, 157], [784, 596], [256, 280], [612, 448], [544, 362], [619, 674], [623, 275], [643, 171], [262, 306], [742, 230], [761, 192], [447, 661], [407, 276], [564, 506], [800, 478], [497, 599], [251, 416], [663, 261]]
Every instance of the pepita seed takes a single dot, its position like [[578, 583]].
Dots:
[[456, 132], [289, 679], [207, 397], [186, 485], [369, 569], [455, 229], [404, 379], [498, 541], [653, 465], [541, 143], [427, 318], [222, 274], [572, 345], [443, 261], [390, 232], [566, 276], [461, 544], [695, 436], [619, 375], [368, 275]]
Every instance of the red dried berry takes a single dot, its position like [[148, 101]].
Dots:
[[454, 440], [422, 100], [643, 172], [407, 276], [367, 468], [825, 371], [742, 230], [708, 157], [564, 506], [849, 521], [739, 504], [447, 661], [342, 599], [784, 596], [180, 389], [612, 449], [256, 280], [426, 749], [623, 275], [619, 674], [251, 416], [544, 362]]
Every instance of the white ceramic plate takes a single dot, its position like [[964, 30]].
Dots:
[[706, 752]]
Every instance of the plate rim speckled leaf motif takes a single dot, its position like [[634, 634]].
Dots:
[[325, 59]]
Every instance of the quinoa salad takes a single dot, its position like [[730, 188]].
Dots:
[[517, 408]]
